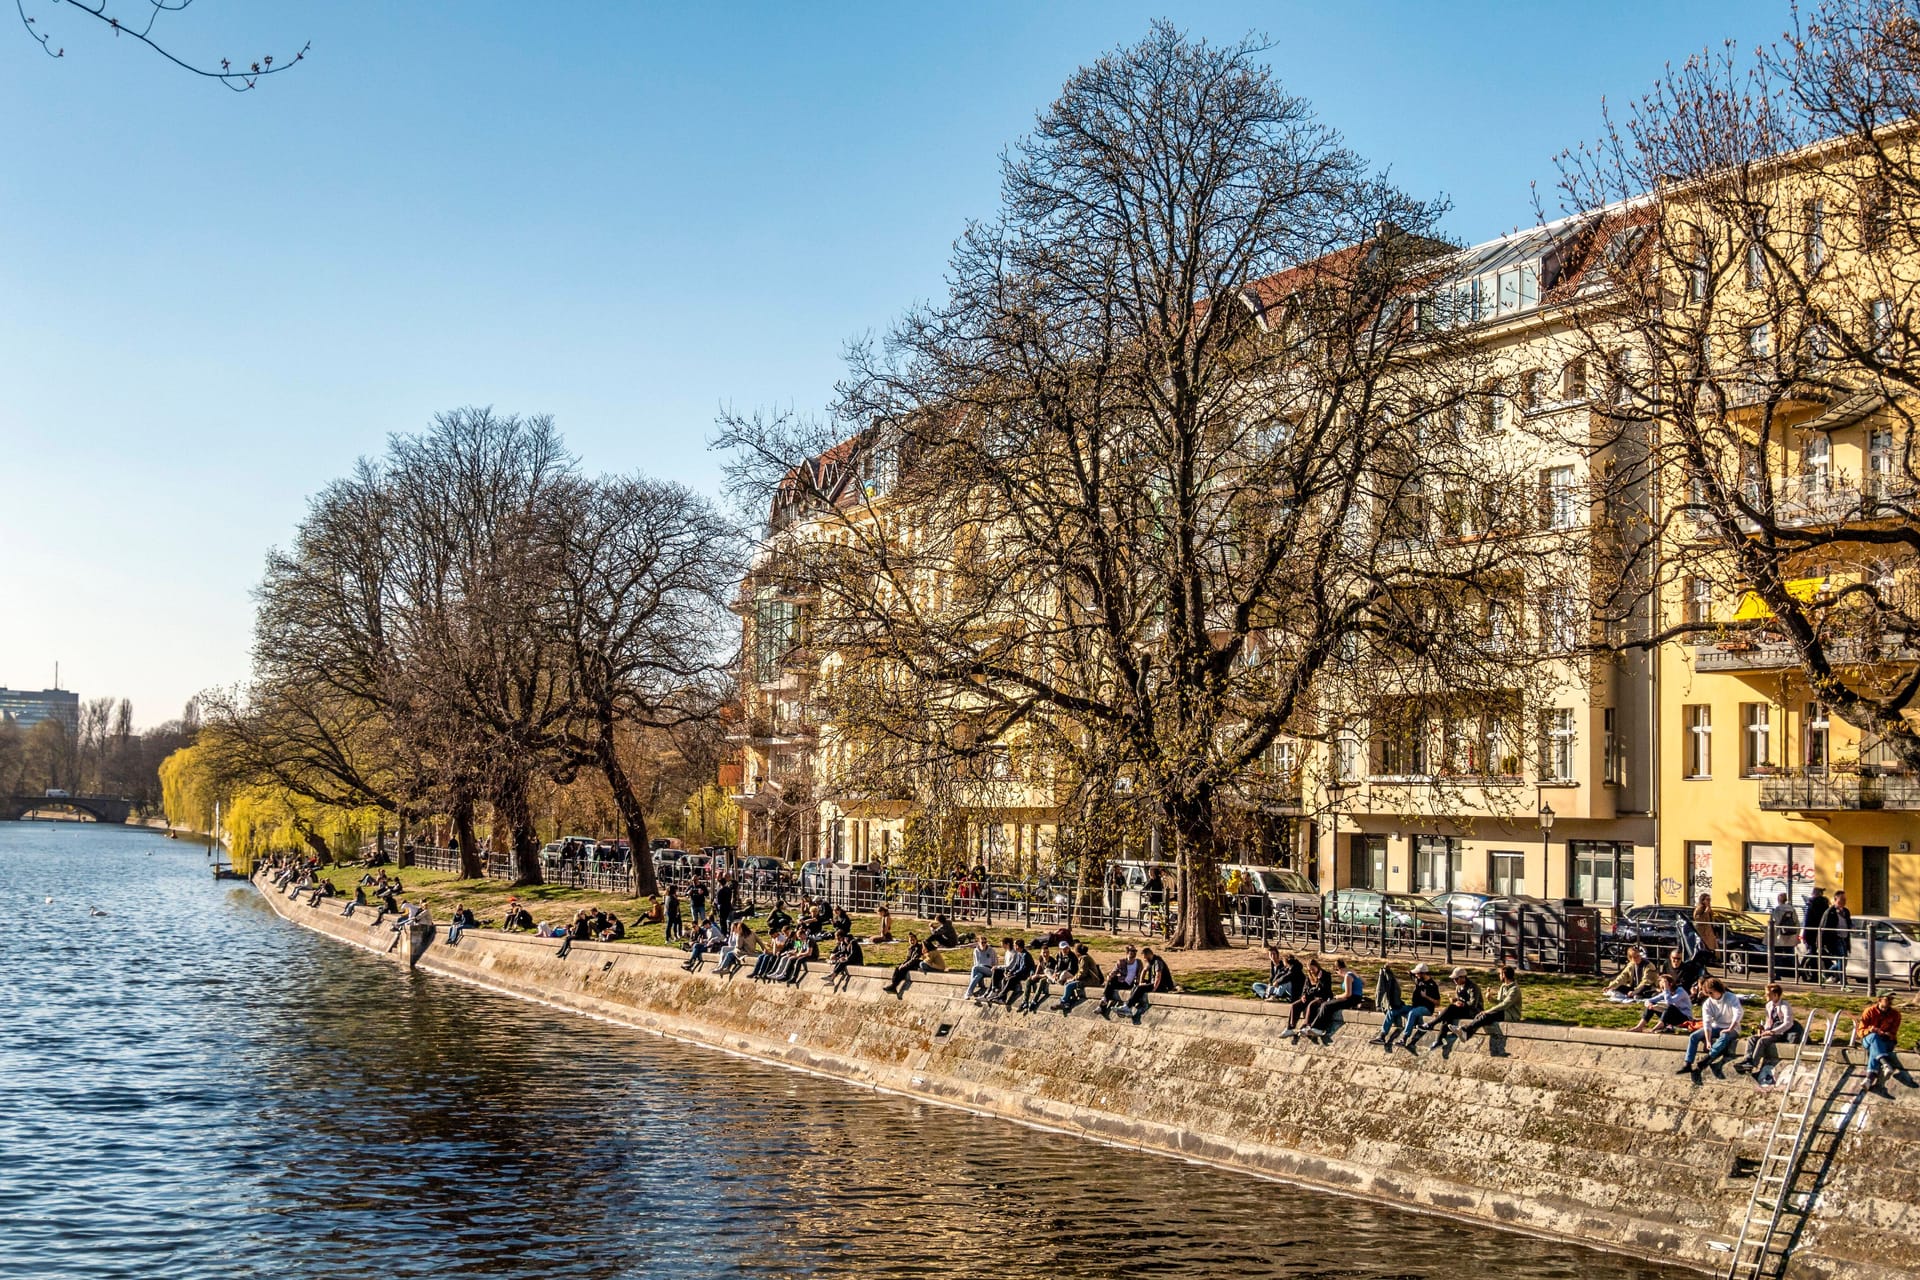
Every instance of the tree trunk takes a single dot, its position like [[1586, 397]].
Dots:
[[315, 843], [1202, 897], [512, 811], [639, 858], [472, 866]]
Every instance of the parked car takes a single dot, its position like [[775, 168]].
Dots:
[[761, 872], [1403, 912], [1896, 950], [1658, 929], [1288, 893]]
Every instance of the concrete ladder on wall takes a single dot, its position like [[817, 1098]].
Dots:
[[1801, 1118]]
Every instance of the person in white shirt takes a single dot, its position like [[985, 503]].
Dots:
[[1719, 1029], [1777, 1025]]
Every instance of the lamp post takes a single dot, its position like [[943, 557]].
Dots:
[[1546, 834]]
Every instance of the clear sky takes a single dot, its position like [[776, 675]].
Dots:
[[626, 215]]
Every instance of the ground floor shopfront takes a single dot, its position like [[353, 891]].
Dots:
[[1609, 863]]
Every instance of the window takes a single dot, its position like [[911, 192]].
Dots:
[[1879, 462], [1819, 347], [1614, 760], [1503, 756], [1560, 620], [1500, 632], [1697, 606], [1816, 467], [1489, 407], [1601, 871], [1760, 343], [1556, 497], [1876, 215], [1556, 745], [1773, 869], [1757, 252], [1880, 326], [1506, 873], [1518, 288], [1816, 235], [1436, 864], [1699, 869], [1756, 733], [1346, 746], [1533, 384], [1697, 268], [1698, 718], [1573, 379], [1815, 737]]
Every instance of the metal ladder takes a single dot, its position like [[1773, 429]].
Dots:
[[1794, 1123]]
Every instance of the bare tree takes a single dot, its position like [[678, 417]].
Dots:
[[1755, 291], [1127, 506], [642, 570], [239, 77]]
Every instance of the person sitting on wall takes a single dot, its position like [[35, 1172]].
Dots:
[[461, 920], [1412, 1017], [359, 900], [1086, 972], [741, 942], [792, 968], [1276, 969], [517, 916], [1126, 974], [1316, 987], [1668, 1009], [1386, 991], [1285, 985], [1719, 1030], [1504, 1008], [1039, 983], [612, 930], [1634, 982], [769, 960], [705, 939], [1777, 1026], [935, 960], [983, 966], [1016, 966], [903, 972], [1466, 1005], [846, 951], [1155, 979], [1349, 992], [1881, 1023]]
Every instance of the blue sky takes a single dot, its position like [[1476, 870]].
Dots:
[[626, 215]]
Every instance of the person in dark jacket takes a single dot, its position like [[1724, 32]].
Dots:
[[1412, 1017], [1316, 987], [1466, 1004], [1155, 978], [1836, 938], [1126, 973], [1349, 991], [1813, 924], [904, 971]]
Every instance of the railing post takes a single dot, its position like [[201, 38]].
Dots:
[[1323, 928], [986, 888], [1873, 963]]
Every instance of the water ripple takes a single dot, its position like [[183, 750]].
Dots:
[[190, 1087]]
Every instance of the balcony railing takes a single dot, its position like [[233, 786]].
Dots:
[[1780, 655], [1818, 792]]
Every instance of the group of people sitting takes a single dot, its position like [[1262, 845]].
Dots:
[[1023, 974], [1682, 998], [1317, 994]]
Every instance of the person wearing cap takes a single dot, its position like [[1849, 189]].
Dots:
[[1412, 1016], [1466, 1003], [1059, 965], [1505, 1006]]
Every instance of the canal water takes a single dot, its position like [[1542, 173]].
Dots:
[[190, 1087]]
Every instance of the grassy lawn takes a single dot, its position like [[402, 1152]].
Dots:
[[1550, 998]]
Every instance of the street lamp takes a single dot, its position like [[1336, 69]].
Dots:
[[1546, 833]]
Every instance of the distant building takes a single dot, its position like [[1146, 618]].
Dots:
[[27, 708]]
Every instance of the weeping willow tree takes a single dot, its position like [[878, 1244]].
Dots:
[[189, 788]]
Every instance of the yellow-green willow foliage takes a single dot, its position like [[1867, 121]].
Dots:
[[188, 788]]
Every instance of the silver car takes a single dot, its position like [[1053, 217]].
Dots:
[[1896, 949]]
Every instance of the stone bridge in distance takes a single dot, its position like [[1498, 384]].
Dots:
[[99, 808]]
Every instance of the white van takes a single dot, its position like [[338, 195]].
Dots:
[[1288, 893]]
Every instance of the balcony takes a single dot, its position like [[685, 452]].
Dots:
[[1766, 653], [773, 730], [1840, 792]]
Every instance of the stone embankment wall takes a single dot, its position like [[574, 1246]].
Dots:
[[1583, 1135]]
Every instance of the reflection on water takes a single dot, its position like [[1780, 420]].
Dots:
[[191, 1087]]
